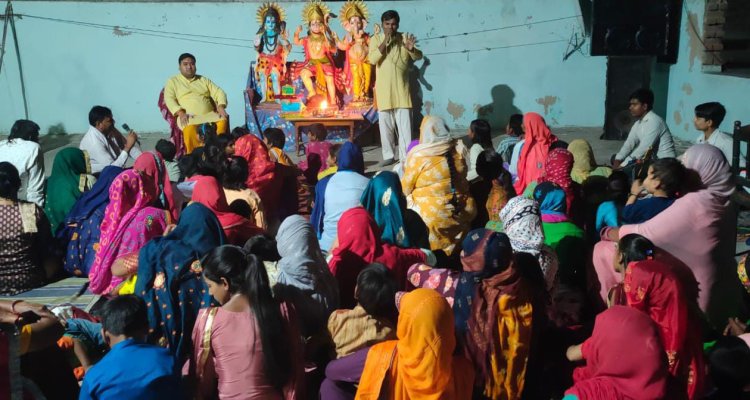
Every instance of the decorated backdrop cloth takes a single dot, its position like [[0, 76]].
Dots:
[[259, 119]]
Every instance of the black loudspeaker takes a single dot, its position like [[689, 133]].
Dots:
[[636, 28]]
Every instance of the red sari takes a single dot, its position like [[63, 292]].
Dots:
[[151, 164], [624, 359], [237, 228], [654, 288], [537, 139], [359, 245], [263, 176]]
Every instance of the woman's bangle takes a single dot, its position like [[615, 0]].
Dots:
[[634, 194], [13, 306]]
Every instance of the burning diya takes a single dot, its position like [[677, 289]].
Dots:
[[321, 109]]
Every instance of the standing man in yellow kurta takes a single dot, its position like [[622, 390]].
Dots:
[[392, 53], [195, 100]]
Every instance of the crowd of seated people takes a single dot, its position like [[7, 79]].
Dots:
[[522, 271]]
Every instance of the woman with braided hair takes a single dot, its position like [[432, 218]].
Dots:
[[435, 185]]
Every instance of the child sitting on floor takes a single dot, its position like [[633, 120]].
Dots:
[[275, 140], [132, 369], [373, 318], [663, 183], [316, 150], [167, 150], [331, 162]]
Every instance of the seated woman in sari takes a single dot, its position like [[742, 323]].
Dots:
[[522, 223], [533, 152], [657, 289], [170, 278], [130, 220], [359, 244], [82, 228], [385, 201], [152, 164], [339, 193], [584, 164], [264, 177], [26, 261], [70, 178], [563, 236], [492, 191], [421, 363], [613, 370], [264, 361], [235, 190], [237, 228], [557, 170], [435, 185], [492, 296], [693, 229], [303, 278], [31, 364]]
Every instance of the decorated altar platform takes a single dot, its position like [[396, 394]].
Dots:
[[355, 118]]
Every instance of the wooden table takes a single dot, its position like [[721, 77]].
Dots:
[[304, 121]]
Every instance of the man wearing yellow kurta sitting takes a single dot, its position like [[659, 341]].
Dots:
[[195, 100]]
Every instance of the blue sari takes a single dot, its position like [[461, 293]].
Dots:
[[170, 278], [385, 201], [80, 233]]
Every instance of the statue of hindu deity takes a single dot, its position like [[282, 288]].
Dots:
[[273, 46], [355, 43], [319, 46]]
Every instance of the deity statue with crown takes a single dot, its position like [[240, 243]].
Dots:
[[355, 43], [273, 46], [320, 47]]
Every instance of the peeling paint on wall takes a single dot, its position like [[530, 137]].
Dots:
[[687, 88], [694, 40], [677, 117], [686, 126], [547, 102], [455, 110], [509, 8], [428, 107]]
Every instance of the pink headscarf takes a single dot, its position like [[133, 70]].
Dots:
[[129, 222], [151, 164], [690, 229], [537, 139], [713, 169]]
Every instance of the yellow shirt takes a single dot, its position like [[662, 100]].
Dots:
[[196, 96], [392, 83]]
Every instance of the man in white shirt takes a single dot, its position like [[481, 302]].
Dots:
[[23, 151], [104, 144], [708, 118], [649, 130]]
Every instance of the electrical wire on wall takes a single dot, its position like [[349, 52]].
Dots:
[[232, 41], [10, 21]]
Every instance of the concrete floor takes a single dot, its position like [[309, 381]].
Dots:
[[603, 149]]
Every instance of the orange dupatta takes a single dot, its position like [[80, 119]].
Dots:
[[420, 364]]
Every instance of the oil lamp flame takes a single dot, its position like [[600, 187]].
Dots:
[[323, 106]]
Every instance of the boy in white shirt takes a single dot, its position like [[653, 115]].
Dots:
[[23, 151], [708, 117]]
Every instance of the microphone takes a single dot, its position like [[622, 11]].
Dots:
[[128, 130]]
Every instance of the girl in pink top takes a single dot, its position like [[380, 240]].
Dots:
[[244, 349]]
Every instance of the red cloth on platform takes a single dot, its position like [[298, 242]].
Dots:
[[537, 140]]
